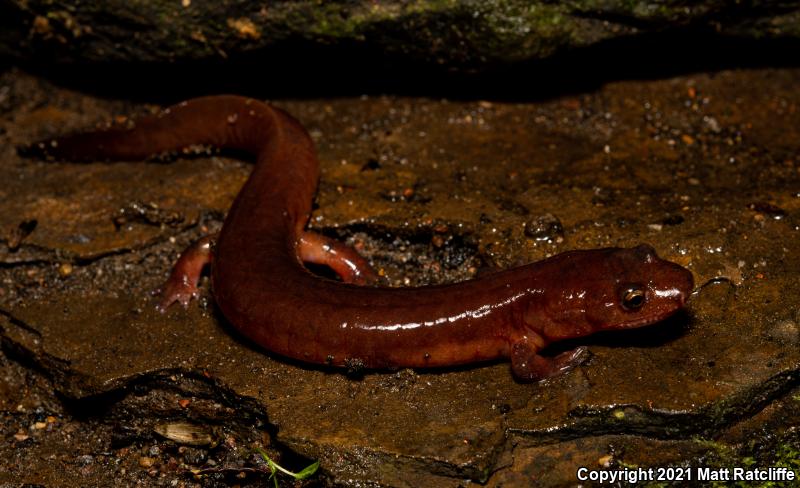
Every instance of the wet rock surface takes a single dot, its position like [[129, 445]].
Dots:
[[463, 35], [706, 168]]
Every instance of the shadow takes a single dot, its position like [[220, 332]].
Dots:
[[655, 335], [303, 69]]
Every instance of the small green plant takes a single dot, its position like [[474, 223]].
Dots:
[[306, 472]]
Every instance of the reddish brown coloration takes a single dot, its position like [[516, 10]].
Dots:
[[263, 289], [345, 261], [181, 286]]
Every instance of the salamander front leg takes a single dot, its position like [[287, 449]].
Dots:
[[527, 365], [181, 286], [342, 259]]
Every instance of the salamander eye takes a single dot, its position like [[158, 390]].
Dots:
[[633, 298]]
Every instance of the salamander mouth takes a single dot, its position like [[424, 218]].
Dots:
[[650, 319]]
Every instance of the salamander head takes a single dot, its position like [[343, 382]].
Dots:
[[607, 289]]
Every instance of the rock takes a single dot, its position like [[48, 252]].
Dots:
[[458, 34]]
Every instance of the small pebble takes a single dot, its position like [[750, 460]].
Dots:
[[65, 270], [545, 227], [86, 459], [605, 461], [146, 462]]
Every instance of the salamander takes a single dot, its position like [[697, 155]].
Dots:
[[262, 288]]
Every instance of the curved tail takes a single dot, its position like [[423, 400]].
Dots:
[[224, 121]]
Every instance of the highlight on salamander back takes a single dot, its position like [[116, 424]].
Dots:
[[260, 285]]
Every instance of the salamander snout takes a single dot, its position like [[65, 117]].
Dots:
[[651, 289], [613, 288], [672, 282]]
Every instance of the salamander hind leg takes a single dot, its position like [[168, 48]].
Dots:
[[342, 259], [527, 365], [181, 286]]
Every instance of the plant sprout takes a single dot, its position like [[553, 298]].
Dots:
[[275, 467]]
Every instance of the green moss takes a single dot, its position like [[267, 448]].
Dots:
[[788, 455], [334, 20], [760, 453], [510, 30], [457, 33]]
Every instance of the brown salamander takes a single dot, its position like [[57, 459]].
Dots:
[[262, 288]]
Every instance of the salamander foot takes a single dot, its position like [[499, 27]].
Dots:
[[529, 366], [181, 286]]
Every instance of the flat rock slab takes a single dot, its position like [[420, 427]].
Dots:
[[704, 168], [455, 34]]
